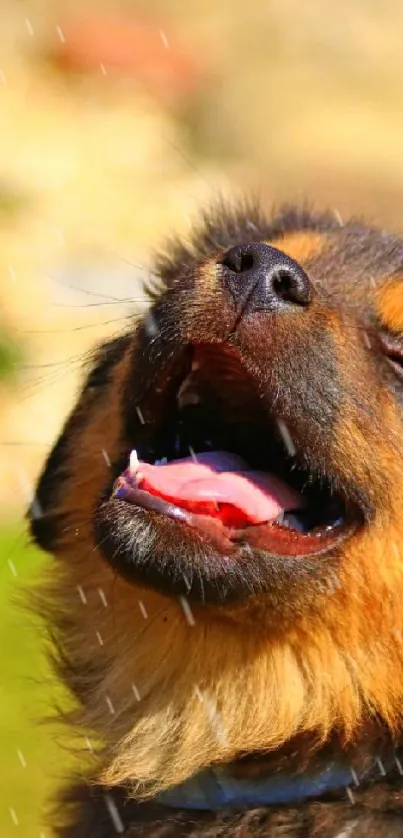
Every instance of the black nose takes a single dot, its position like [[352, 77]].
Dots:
[[263, 278]]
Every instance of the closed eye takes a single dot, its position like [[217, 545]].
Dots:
[[392, 348]]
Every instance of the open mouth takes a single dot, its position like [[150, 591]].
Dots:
[[227, 468]]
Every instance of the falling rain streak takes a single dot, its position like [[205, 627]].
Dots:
[[213, 716], [140, 415], [143, 609], [103, 597], [187, 610], [114, 813], [286, 437]]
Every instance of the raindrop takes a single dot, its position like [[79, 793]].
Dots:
[[187, 610], [354, 776], [164, 39], [192, 454], [60, 34], [350, 795], [82, 595], [103, 597], [110, 705], [106, 457], [114, 813], [286, 436], [136, 693], [14, 817], [12, 567], [143, 609], [338, 217], [21, 758]]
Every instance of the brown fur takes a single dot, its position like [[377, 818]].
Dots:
[[166, 697]]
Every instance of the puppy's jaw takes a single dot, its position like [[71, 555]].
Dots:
[[323, 657]]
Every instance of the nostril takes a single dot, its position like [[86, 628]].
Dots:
[[290, 287], [238, 260], [283, 285]]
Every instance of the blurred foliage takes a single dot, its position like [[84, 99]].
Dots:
[[30, 756], [13, 201], [11, 356]]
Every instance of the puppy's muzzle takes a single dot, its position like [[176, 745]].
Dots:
[[262, 278]]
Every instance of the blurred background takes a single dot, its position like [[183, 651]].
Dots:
[[118, 121]]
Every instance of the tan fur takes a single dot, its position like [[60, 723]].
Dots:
[[327, 671], [303, 246], [390, 304]]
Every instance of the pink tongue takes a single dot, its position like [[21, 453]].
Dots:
[[219, 483]]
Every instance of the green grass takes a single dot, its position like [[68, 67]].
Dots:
[[31, 762], [11, 356]]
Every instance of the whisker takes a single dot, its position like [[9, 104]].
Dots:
[[85, 291], [6, 443], [121, 302], [75, 328]]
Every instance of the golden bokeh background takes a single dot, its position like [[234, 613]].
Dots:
[[98, 162]]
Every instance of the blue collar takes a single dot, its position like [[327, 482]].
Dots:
[[214, 788]]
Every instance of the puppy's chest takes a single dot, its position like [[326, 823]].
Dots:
[[374, 811]]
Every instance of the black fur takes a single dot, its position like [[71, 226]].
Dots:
[[223, 226], [373, 811], [45, 524]]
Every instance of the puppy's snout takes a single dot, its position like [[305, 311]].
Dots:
[[262, 278]]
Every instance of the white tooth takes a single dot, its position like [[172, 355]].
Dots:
[[280, 518], [177, 444], [133, 461], [162, 462]]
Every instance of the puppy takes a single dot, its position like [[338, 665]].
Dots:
[[225, 509]]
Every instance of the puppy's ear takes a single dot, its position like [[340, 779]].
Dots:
[[45, 516]]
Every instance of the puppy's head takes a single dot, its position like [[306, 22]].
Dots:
[[225, 499]]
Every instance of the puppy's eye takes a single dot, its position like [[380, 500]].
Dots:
[[392, 348]]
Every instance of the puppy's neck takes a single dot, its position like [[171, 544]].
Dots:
[[291, 774]]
